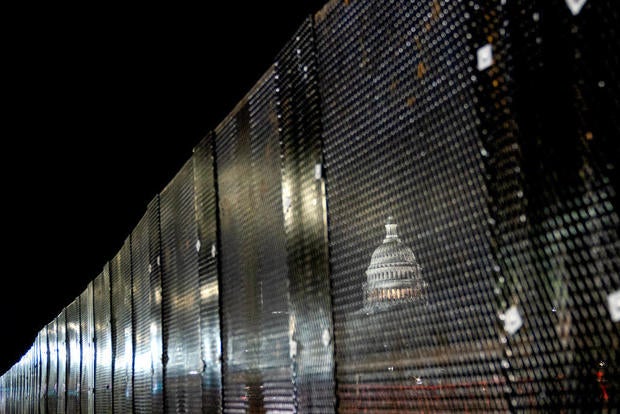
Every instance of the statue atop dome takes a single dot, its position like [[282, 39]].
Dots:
[[393, 276]]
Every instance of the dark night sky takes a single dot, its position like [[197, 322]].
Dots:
[[101, 107]]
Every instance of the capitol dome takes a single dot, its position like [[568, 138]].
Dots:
[[393, 276]]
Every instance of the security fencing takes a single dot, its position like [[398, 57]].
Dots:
[[414, 209]]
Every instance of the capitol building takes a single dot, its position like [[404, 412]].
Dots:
[[393, 276]]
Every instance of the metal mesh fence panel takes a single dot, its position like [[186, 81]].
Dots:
[[23, 385], [235, 337], [24, 375], [206, 221], [305, 224], [34, 381], [38, 375], [74, 357], [14, 389], [23, 382], [21, 379], [44, 369], [551, 157], [122, 333], [544, 213], [14, 393], [9, 389], [141, 316], [103, 342], [180, 294], [147, 313], [3, 392], [414, 310], [63, 362], [17, 387], [155, 299], [5, 397], [6, 387], [29, 380], [87, 336], [20, 386], [11, 403], [506, 196], [31, 377], [20, 376], [17, 384], [34, 378], [255, 313], [52, 378], [265, 253]]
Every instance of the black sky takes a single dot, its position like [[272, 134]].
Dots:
[[102, 105]]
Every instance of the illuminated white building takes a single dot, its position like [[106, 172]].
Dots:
[[393, 276]]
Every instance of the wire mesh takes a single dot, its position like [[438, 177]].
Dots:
[[414, 311], [104, 367], [155, 299], [74, 356], [255, 304], [298, 109], [44, 356], [122, 329], [555, 224], [141, 289], [206, 222], [146, 289], [63, 361], [181, 295], [415, 209], [87, 343], [4, 387]]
